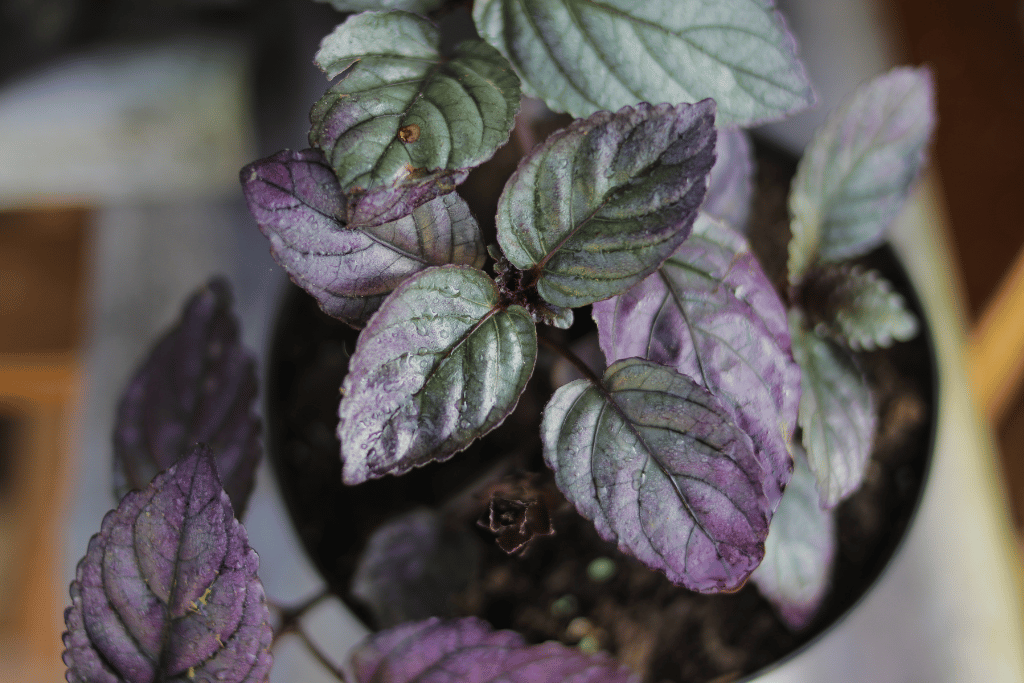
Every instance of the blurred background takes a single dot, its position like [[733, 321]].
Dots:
[[123, 126]]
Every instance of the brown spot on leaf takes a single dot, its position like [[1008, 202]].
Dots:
[[410, 133]]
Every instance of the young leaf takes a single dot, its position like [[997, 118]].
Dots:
[[854, 176], [711, 313], [658, 464], [404, 123], [859, 308], [418, 6], [599, 205], [798, 555], [297, 201], [441, 363], [837, 414], [413, 566], [731, 183], [197, 385], [573, 54], [468, 651], [168, 588]]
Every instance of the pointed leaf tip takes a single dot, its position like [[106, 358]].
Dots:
[[198, 385], [168, 588]]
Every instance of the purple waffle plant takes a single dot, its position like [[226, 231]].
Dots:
[[731, 416]]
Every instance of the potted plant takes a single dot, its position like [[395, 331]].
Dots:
[[706, 443]]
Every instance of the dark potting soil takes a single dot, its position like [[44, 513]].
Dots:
[[571, 585]]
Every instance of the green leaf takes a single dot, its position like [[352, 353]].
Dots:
[[860, 310], [439, 364], [857, 171], [599, 205], [837, 413], [404, 116], [419, 6], [582, 56]]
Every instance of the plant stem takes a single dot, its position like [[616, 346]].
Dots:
[[320, 656], [290, 615], [573, 359]]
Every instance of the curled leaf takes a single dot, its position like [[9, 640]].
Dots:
[[857, 308], [468, 651], [405, 123], [837, 413], [168, 589], [413, 566], [440, 364], [600, 204], [857, 171], [297, 203], [198, 385], [572, 54], [798, 555], [710, 312], [659, 466]]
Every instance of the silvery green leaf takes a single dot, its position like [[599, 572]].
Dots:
[[418, 6], [582, 56], [198, 385], [710, 312], [837, 413], [439, 364], [168, 589], [798, 555], [297, 203], [857, 171], [413, 566], [468, 650], [600, 204], [660, 467], [860, 309], [731, 183], [404, 123]]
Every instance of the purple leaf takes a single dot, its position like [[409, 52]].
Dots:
[[659, 466], [468, 651], [600, 204], [404, 123], [711, 313], [413, 566], [441, 363], [837, 413], [731, 184], [297, 202], [858, 169], [798, 555], [168, 588], [198, 385]]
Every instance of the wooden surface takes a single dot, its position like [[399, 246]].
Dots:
[[42, 310]]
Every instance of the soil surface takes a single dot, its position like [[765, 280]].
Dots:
[[571, 585]]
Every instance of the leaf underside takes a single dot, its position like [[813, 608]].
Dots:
[[659, 466], [440, 364], [600, 204], [570, 53], [837, 414], [710, 313], [855, 175], [797, 567], [469, 651], [297, 201], [198, 385], [404, 123], [168, 589], [731, 183]]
